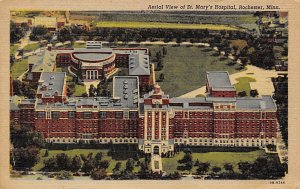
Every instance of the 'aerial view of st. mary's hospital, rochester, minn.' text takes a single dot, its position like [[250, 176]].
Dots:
[[148, 95]]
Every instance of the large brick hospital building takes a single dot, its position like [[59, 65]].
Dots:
[[155, 122]]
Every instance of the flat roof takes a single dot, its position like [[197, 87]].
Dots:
[[92, 56], [51, 83], [126, 89], [45, 21], [219, 80], [263, 103]]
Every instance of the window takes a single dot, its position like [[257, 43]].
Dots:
[[87, 115], [119, 115], [132, 114], [72, 114], [103, 114], [41, 114], [55, 115]]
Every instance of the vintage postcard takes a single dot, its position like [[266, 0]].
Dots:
[[152, 94]]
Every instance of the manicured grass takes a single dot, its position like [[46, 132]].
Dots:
[[185, 68], [79, 90], [244, 20], [79, 45], [214, 158], [74, 152], [200, 95], [31, 47], [243, 84], [126, 24], [18, 68], [13, 48]]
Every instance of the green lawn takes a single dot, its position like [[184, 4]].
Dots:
[[79, 90], [79, 45], [127, 24], [243, 84], [185, 68], [74, 152], [31, 47], [214, 158], [13, 48], [18, 68]]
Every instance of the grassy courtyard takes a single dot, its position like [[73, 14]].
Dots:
[[128, 24], [18, 68], [244, 84], [214, 158], [71, 153], [79, 90]]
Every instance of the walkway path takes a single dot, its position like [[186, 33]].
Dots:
[[263, 82], [156, 163]]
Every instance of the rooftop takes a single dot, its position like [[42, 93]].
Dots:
[[219, 80], [51, 84], [92, 56], [44, 61], [126, 90], [139, 64], [263, 103], [45, 21]]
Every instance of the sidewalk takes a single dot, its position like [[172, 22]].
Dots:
[[156, 163]]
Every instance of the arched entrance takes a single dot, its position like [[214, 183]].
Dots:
[[156, 150]]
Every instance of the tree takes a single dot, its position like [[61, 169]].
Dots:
[[104, 164], [38, 33], [186, 158], [189, 165], [16, 32], [63, 161], [76, 163], [50, 164], [254, 93], [228, 167], [161, 77], [92, 90], [117, 166], [244, 167], [25, 158], [46, 153], [64, 34], [164, 51], [197, 162], [203, 168], [98, 174], [130, 165], [242, 94], [64, 175], [216, 169], [88, 166], [98, 158]]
